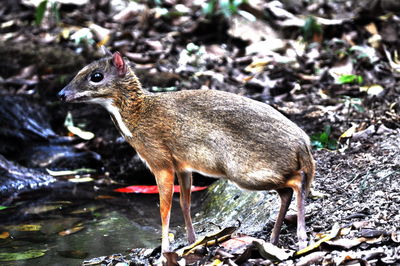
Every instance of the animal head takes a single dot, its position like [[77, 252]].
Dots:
[[100, 80]]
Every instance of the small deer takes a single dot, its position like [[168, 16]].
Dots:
[[215, 133]]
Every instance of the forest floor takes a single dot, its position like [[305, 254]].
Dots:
[[331, 68]]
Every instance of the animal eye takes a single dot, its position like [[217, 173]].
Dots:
[[96, 77]]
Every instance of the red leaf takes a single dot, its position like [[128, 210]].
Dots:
[[150, 189]]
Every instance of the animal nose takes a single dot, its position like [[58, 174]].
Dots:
[[61, 95]]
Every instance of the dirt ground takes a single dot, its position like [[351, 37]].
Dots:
[[338, 79]]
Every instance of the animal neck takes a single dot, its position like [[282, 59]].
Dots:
[[129, 99], [125, 106]]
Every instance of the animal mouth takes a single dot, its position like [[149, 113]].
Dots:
[[79, 99]]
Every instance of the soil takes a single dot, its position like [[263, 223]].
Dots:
[[355, 130]]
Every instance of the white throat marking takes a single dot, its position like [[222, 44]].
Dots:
[[108, 104]]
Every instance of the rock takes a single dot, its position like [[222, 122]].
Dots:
[[59, 156], [227, 205], [27, 138], [16, 178], [22, 122]]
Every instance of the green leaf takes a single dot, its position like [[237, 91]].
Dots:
[[225, 6], [323, 140], [317, 144], [3, 207], [209, 8], [328, 130], [324, 137], [311, 28], [237, 3], [25, 255], [39, 13], [55, 11], [358, 108], [332, 144], [346, 79]]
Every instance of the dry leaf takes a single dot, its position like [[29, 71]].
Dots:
[[334, 232], [70, 231], [349, 132], [208, 240], [311, 259], [373, 90], [4, 235], [24, 227], [272, 252]]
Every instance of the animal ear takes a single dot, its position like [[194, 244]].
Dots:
[[105, 51], [119, 64]]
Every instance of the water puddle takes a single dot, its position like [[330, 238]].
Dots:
[[64, 228]]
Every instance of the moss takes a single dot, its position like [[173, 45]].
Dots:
[[225, 204]]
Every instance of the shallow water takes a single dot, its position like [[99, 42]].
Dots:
[[66, 228]]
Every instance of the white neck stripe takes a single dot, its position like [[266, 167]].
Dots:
[[108, 104]]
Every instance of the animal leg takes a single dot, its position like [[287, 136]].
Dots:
[[300, 191], [298, 183], [185, 182], [165, 183], [286, 196]]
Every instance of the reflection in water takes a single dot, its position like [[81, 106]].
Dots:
[[64, 228]]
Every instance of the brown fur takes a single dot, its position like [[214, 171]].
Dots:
[[216, 133]]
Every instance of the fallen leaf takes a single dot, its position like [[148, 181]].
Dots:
[[69, 124], [361, 224], [70, 231], [252, 31], [349, 78], [315, 194], [395, 236], [29, 254], [312, 259], [394, 64], [24, 227], [349, 132], [42, 209], [217, 262], [365, 134], [334, 232], [345, 231], [237, 245], [272, 252], [4, 235], [208, 240], [373, 90], [372, 233], [374, 240], [81, 179], [346, 243], [131, 11], [102, 34], [86, 135], [257, 66], [371, 28], [70, 172]]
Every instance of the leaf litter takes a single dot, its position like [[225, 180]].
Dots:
[[328, 69]]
